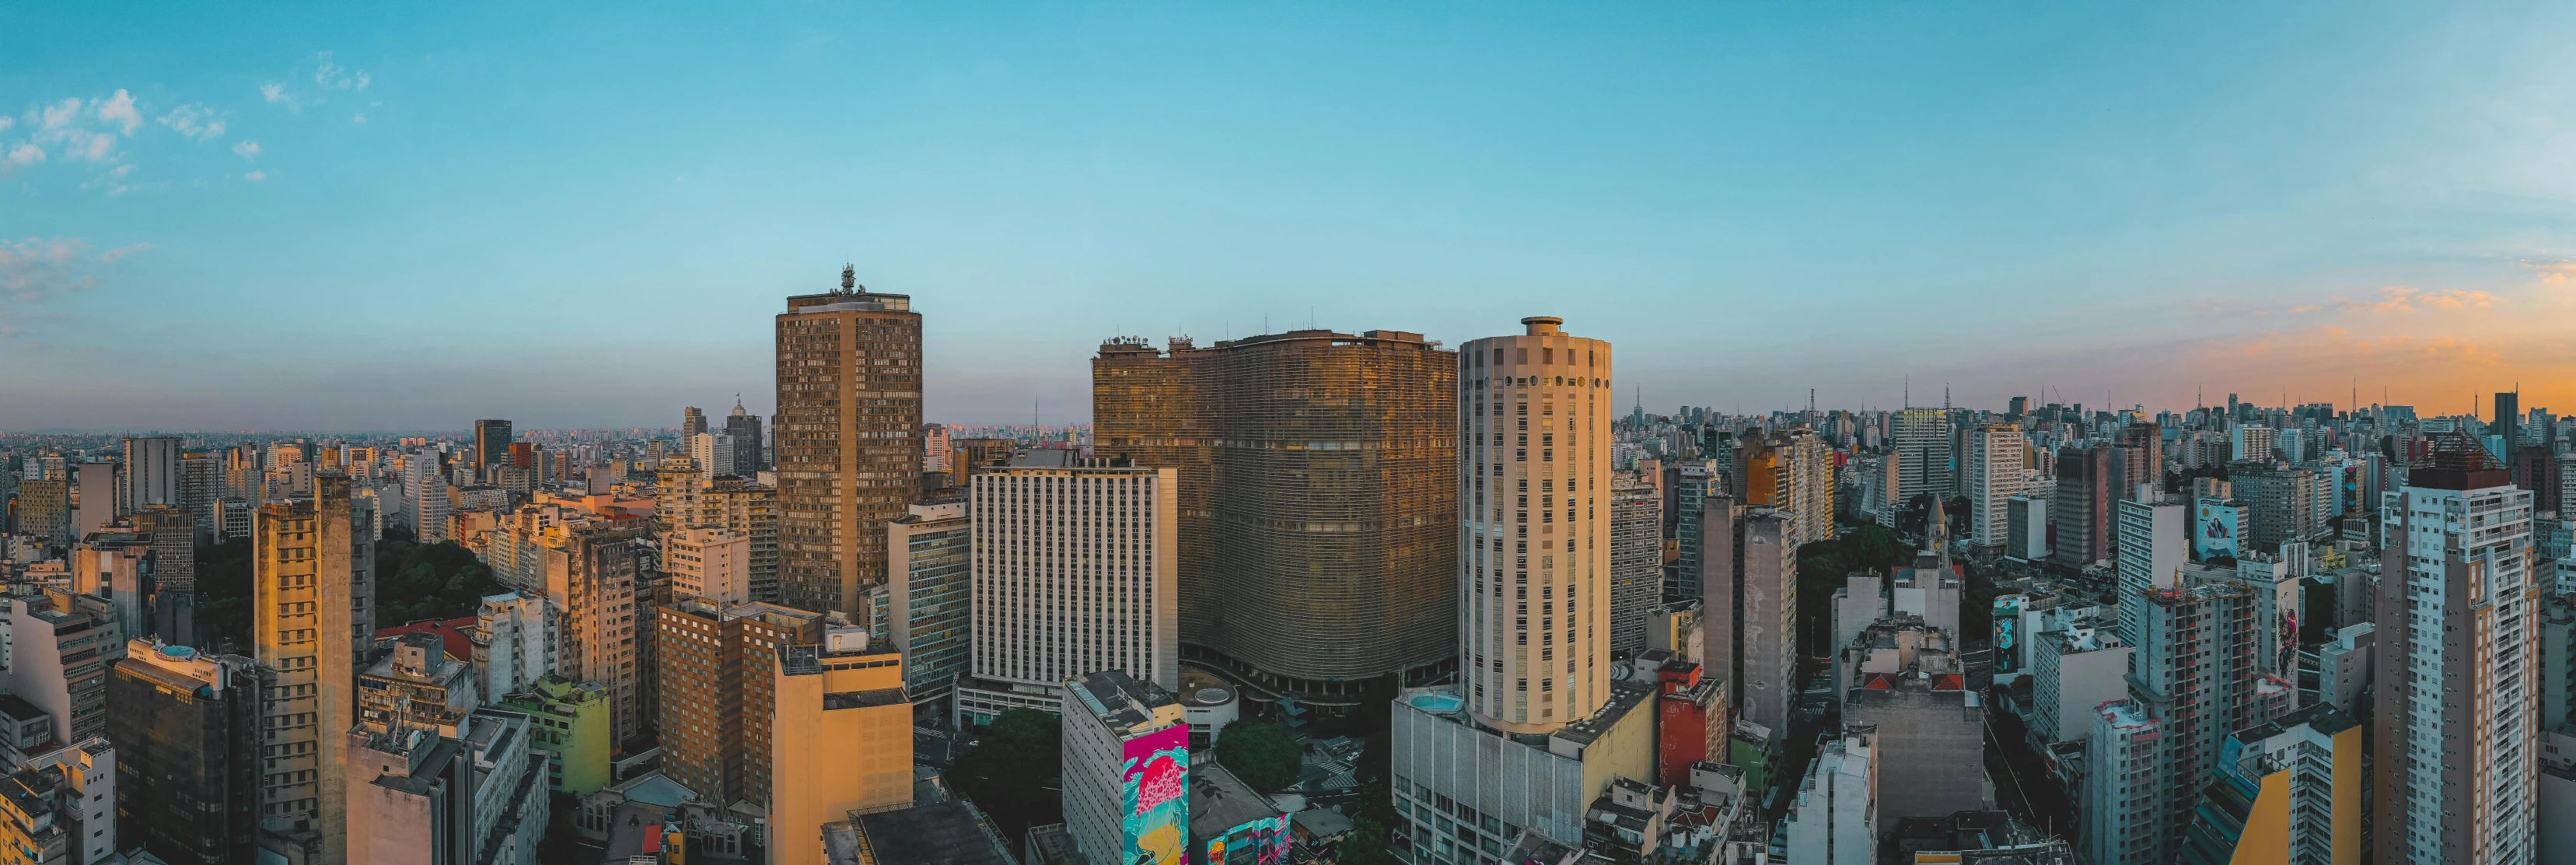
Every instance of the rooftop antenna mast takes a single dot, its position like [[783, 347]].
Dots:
[[849, 278]]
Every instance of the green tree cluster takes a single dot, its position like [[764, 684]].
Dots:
[[1262, 754], [416, 582], [1822, 565], [1015, 772]]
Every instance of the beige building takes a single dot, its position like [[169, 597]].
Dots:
[[710, 562], [840, 740], [848, 440], [311, 591], [1534, 554], [590, 573]]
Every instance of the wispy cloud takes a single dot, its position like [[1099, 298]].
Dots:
[[2401, 300], [256, 176], [328, 77], [26, 154], [195, 121], [2551, 270], [119, 110], [247, 148]]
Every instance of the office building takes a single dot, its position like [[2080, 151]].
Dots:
[[692, 422], [1317, 500], [930, 606], [1923, 445], [743, 432], [1996, 455], [717, 663], [188, 766], [2508, 424], [312, 581], [713, 454], [1126, 769], [2155, 542], [45, 511], [686, 498], [1749, 608], [1042, 613], [2081, 512], [848, 438], [1832, 818], [154, 474], [710, 562], [1698, 496], [94, 497], [2454, 706], [491, 446], [116, 564], [1636, 560], [173, 611], [2280, 503], [840, 739], [2252, 443], [2290, 792], [590, 574], [2122, 817]]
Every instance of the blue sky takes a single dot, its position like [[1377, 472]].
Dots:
[[587, 217]]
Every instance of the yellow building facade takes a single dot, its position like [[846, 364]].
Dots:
[[840, 740]]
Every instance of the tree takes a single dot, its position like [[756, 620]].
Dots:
[[1015, 771], [1264, 755], [1365, 845]]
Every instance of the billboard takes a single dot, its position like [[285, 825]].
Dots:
[[2008, 634], [1259, 842], [1154, 787], [2214, 528]]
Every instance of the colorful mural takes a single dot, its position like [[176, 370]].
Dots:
[[1154, 785], [1260, 842]]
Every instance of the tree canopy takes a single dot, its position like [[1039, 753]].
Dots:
[[1263, 754]]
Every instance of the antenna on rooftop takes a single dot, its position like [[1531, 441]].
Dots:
[[849, 278]]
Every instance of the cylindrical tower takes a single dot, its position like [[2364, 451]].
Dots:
[[1534, 538]]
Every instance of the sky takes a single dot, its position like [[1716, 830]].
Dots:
[[325, 217]]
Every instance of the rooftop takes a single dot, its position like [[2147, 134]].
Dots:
[[945, 833], [458, 634]]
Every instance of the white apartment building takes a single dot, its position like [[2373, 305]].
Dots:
[[2155, 542], [1074, 573], [713, 453], [518, 639], [2121, 818], [2457, 663], [1997, 454], [1833, 814]]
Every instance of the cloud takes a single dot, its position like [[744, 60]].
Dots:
[[334, 76], [27, 154], [247, 148], [194, 121], [6, 122], [358, 119], [119, 109], [276, 94], [60, 114], [2552, 270], [328, 77], [34, 270], [256, 176], [2401, 299]]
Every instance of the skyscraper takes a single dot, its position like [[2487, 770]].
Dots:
[[1994, 466], [744, 430], [308, 628], [1791, 470], [2508, 423], [1636, 559], [848, 439], [718, 664], [1317, 500], [154, 474], [692, 422], [930, 601], [1534, 575], [2155, 542], [2456, 647], [590, 573], [1923, 442], [491, 445], [2082, 509], [188, 759]]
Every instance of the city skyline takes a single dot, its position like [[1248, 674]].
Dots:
[[2317, 202]]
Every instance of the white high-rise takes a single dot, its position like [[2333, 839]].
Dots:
[[1994, 467], [2155, 542], [1075, 573], [1534, 478], [2458, 662], [1923, 444], [713, 453]]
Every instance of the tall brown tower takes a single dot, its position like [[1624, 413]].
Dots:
[[1317, 503], [848, 439]]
